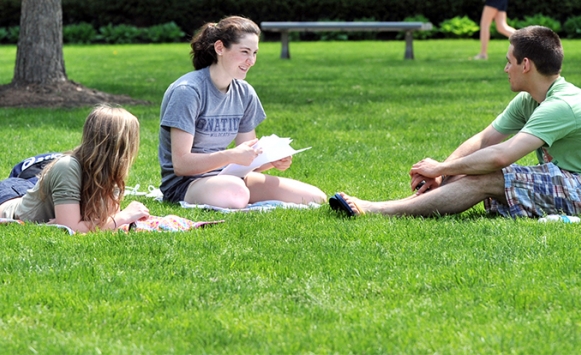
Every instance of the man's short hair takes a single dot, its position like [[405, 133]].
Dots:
[[540, 45]]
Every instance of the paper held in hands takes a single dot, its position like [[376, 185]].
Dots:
[[273, 148]]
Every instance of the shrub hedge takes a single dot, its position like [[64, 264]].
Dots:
[[191, 14]]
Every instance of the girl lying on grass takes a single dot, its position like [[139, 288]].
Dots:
[[83, 190], [204, 111]]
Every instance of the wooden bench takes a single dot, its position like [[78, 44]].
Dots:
[[285, 27]]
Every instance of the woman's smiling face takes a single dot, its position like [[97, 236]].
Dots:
[[238, 59]]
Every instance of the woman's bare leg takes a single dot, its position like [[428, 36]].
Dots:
[[501, 25], [265, 187], [488, 14], [224, 191]]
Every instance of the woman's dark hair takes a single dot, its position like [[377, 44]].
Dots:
[[540, 45], [229, 30]]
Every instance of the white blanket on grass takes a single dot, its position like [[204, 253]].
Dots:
[[262, 206]]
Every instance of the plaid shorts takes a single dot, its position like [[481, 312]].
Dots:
[[535, 191]]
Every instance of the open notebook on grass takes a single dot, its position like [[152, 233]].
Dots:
[[273, 148]]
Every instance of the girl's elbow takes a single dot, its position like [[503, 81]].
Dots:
[[178, 171], [181, 169]]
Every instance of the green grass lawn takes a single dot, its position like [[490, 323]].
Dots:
[[297, 281]]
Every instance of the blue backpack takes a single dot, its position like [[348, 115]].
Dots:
[[30, 168]]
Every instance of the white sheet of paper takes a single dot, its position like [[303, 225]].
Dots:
[[273, 148]]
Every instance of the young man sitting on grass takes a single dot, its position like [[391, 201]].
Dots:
[[544, 117]]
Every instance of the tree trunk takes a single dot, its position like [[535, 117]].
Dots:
[[39, 56], [39, 75]]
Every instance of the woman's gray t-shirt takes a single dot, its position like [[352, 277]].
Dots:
[[194, 105]]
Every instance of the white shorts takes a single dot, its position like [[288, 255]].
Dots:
[[9, 208]]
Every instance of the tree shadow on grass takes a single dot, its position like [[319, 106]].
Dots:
[[66, 94]]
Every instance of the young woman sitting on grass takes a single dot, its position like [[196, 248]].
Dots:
[[83, 190], [204, 111]]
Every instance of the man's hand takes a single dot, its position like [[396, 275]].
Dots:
[[425, 176], [428, 168], [422, 184]]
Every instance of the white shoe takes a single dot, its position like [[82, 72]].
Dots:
[[133, 191], [154, 192]]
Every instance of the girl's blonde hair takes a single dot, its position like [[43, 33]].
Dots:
[[108, 149]]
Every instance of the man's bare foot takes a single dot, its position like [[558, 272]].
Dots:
[[359, 207]]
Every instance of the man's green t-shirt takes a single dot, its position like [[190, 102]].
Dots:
[[62, 185], [556, 121]]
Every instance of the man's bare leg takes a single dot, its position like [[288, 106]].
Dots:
[[454, 197]]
